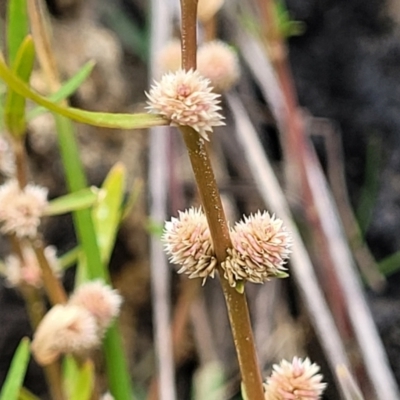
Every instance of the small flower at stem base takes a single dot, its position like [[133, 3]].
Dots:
[[296, 380], [186, 99], [100, 300], [188, 242], [64, 329]]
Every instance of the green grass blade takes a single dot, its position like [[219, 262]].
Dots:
[[14, 109], [107, 120], [16, 373], [79, 200], [17, 27], [107, 212], [25, 394], [67, 89], [116, 364], [70, 258], [78, 379]]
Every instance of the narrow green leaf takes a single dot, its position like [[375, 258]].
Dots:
[[133, 197], [25, 394], [79, 200], [16, 373], [116, 366], [17, 27], [66, 89], [107, 212], [107, 120], [78, 379], [14, 109], [70, 258]]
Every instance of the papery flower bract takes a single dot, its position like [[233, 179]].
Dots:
[[206, 9], [169, 58], [219, 63], [100, 300], [186, 99], [261, 247], [188, 242], [29, 272], [64, 329], [296, 380], [21, 209]]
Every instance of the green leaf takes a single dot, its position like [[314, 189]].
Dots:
[[78, 379], [209, 382], [70, 258], [16, 373], [66, 90], [25, 394], [73, 201], [17, 27], [14, 109], [106, 120], [133, 197], [107, 212], [116, 365]]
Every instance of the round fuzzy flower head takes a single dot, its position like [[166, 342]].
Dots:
[[298, 380], [29, 272], [100, 300], [186, 99], [219, 63], [188, 242], [169, 58], [64, 329], [20, 210], [261, 247]]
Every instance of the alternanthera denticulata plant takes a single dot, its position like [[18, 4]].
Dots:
[[199, 240]]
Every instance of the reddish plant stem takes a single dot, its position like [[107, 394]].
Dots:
[[211, 200]]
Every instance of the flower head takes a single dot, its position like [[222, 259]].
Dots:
[[29, 271], [206, 9], [186, 98], [64, 329], [298, 380], [219, 63], [100, 300], [261, 247], [188, 242], [169, 58], [21, 209]]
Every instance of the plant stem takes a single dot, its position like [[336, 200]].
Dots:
[[211, 200]]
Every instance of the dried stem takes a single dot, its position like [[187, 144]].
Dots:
[[20, 161]]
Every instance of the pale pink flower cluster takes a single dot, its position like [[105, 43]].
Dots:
[[78, 326], [188, 242], [207, 9], [216, 61], [21, 209], [261, 247], [28, 271], [296, 380], [185, 98], [219, 63]]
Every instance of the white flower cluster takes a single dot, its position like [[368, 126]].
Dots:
[[78, 326]]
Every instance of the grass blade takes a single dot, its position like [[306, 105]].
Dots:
[[17, 27], [16, 373]]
